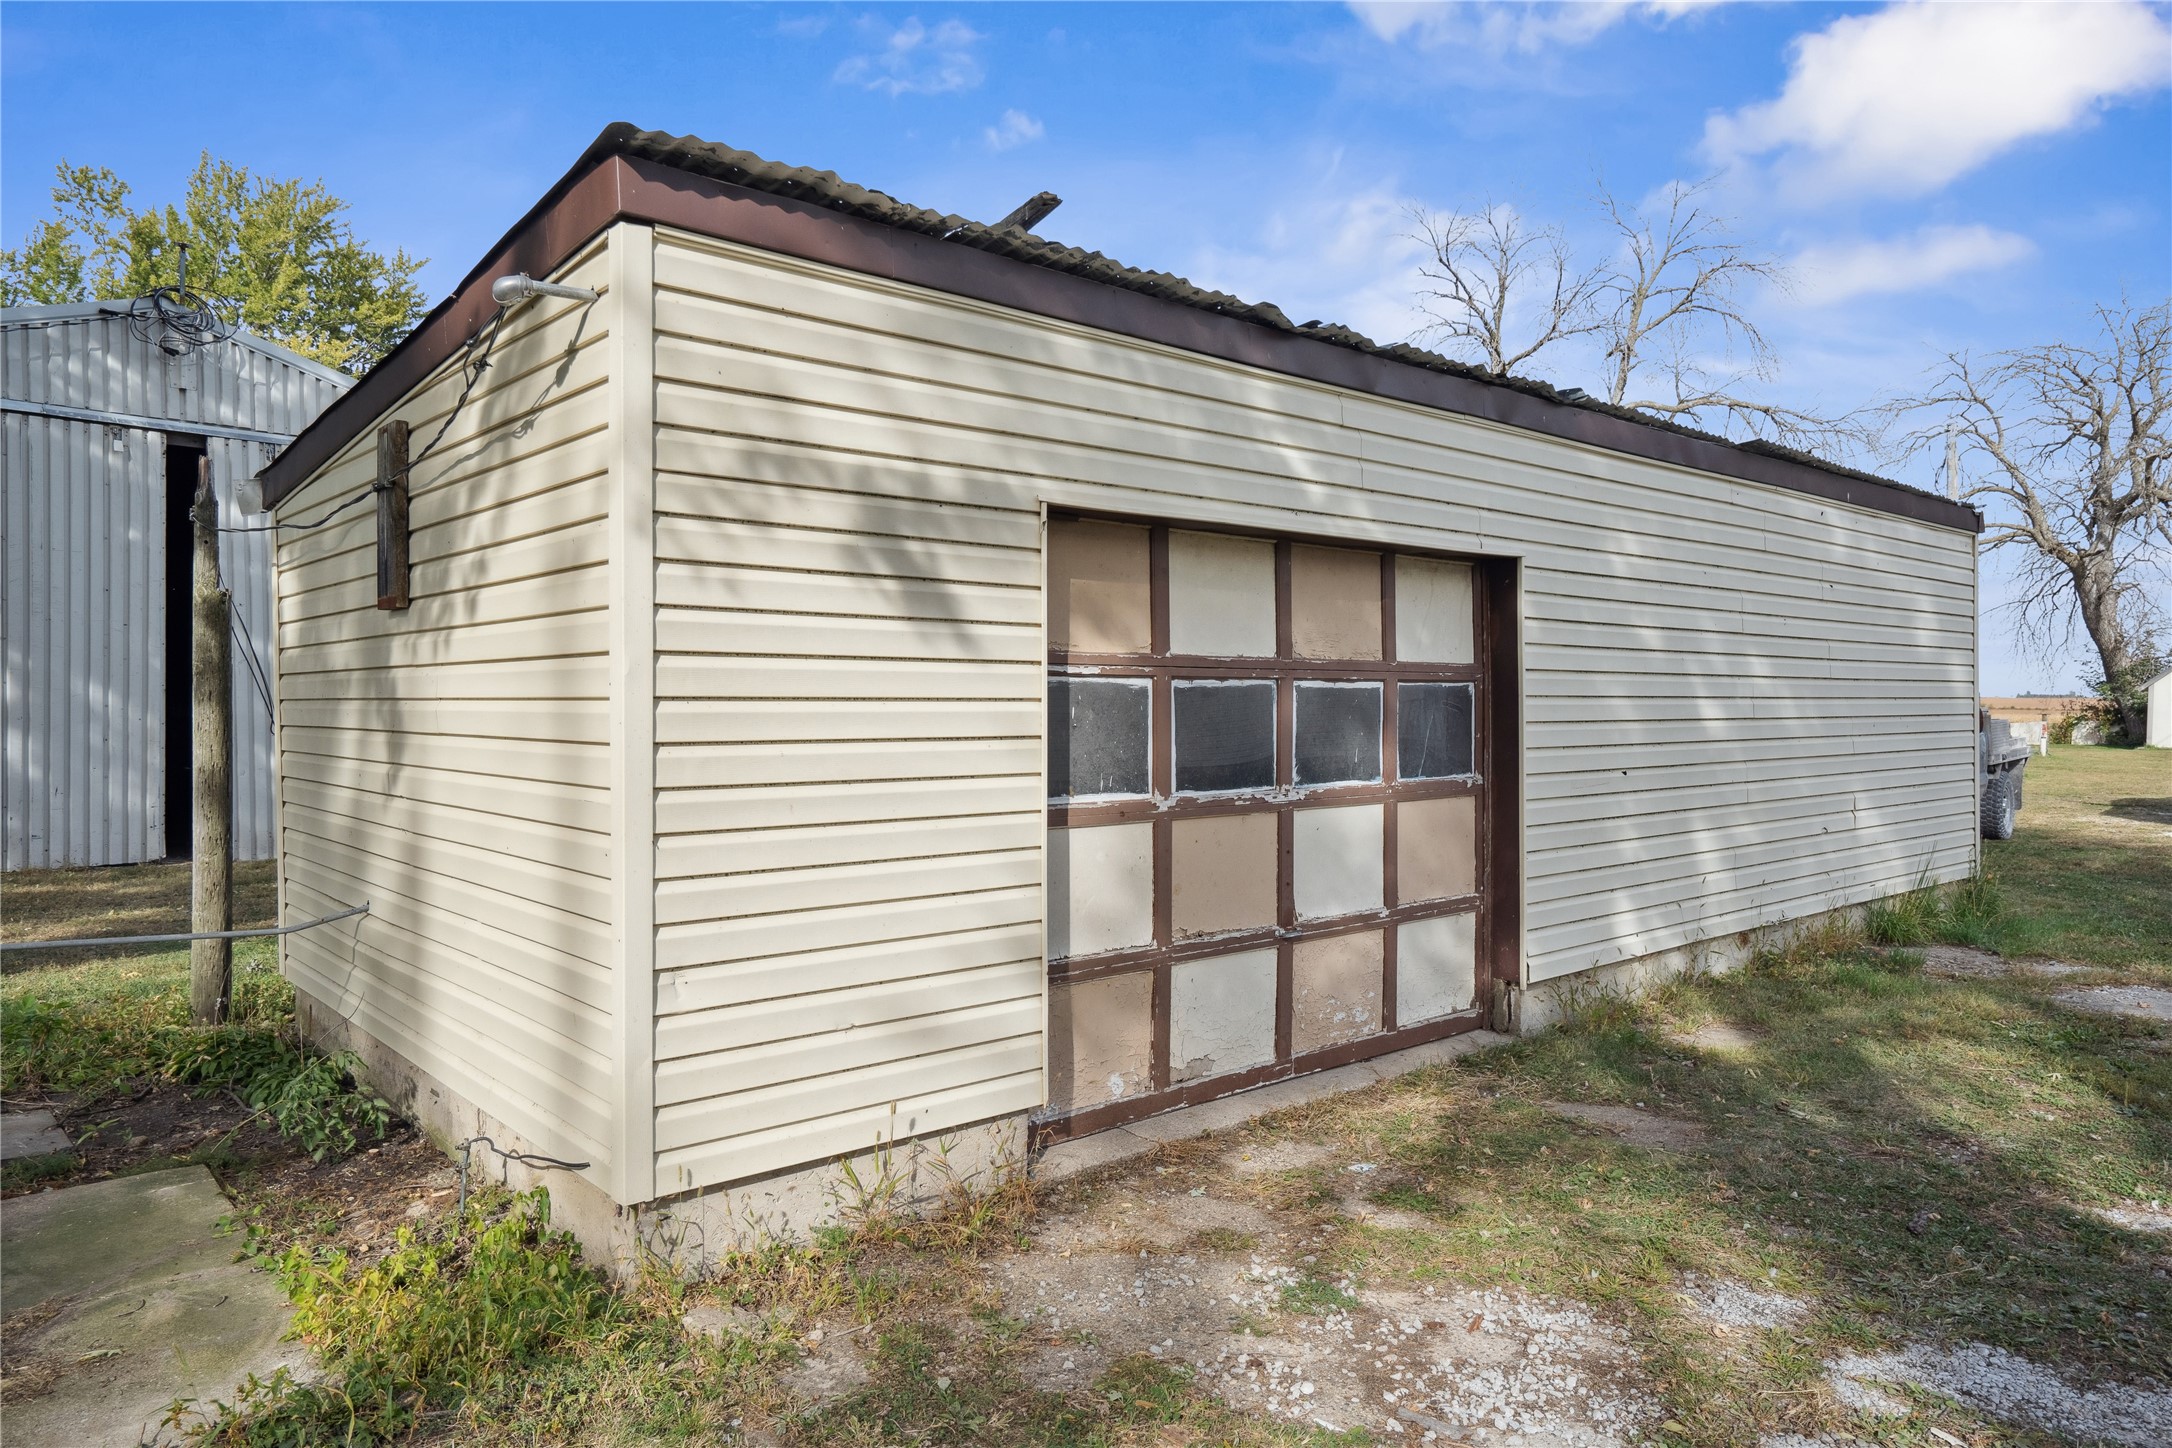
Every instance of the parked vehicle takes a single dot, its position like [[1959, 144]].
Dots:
[[2004, 758]]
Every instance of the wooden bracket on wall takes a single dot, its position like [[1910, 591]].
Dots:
[[392, 515]]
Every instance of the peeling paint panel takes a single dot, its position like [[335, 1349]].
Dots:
[[1100, 1039], [1336, 990], [1100, 889], [1433, 611], [1221, 1014], [1435, 968], [1222, 873], [1097, 593], [1334, 603]]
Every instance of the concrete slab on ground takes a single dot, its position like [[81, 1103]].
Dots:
[[126, 1298], [1962, 962], [1121, 1143], [31, 1133], [2149, 1002]]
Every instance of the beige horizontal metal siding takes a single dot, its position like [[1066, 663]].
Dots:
[[848, 859], [1743, 705], [451, 763], [85, 607]]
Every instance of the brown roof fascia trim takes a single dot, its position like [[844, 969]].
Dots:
[[621, 187], [670, 197], [557, 227]]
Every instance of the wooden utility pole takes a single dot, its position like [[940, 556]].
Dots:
[[211, 735]]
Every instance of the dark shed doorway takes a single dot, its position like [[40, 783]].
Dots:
[[184, 459]]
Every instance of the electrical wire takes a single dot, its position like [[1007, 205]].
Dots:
[[175, 319], [362, 496], [472, 369], [239, 628], [525, 1158], [6, 945]]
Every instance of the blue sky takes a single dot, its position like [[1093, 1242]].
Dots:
[[1938, 176]]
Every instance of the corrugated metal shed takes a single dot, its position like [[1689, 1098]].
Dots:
[[86, 408]]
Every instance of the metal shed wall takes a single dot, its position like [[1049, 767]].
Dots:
[[83, 688]]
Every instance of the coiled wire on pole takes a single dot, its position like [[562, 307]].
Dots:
[[175, 319]]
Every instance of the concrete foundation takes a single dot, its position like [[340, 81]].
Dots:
[[690, 1233], [1527, 1010]]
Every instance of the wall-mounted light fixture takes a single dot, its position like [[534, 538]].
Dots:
[[519, 287]]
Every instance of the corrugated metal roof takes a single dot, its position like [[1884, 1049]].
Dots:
[[63, 312]]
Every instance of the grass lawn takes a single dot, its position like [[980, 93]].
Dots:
[[129, 900], [1860, 1154], [2088, 874]]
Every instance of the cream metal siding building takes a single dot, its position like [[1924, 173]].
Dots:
[[100, 433], [871, 676]]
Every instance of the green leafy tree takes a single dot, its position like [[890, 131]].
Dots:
[[278, 255]]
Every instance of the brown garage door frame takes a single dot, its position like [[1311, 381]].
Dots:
[[1497, 784]]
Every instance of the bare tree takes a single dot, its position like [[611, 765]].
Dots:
[[2076, 444], [1491, 272], [1671, 307]]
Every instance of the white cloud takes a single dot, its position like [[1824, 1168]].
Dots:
[[1825, 275], [1501, 26], [1329, 256], [916, 59], [1904, 100], [1014, 129]]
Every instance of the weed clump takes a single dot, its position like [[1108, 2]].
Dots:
[[1969, 913], [1316, 1297], [446, 1322]]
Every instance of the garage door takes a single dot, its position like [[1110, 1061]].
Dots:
[[1269, 816]]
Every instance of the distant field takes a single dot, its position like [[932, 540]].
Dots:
[[2088, 874]]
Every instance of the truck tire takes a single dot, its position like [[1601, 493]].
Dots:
[[1998, 806]]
